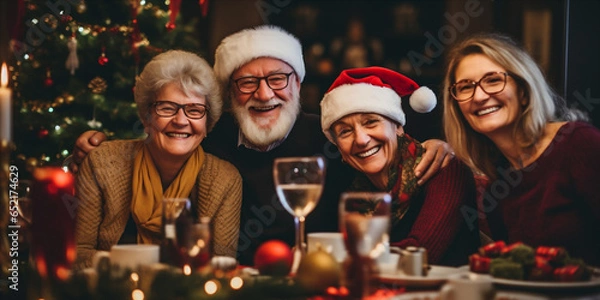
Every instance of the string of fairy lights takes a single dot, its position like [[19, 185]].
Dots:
[[67, 30]]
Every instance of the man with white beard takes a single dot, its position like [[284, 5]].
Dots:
[[261, 70]]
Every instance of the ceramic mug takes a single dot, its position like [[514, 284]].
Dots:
[[330, 242], [468, 286], [130, 255]]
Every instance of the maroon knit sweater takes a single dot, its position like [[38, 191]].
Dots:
[[556, 200], [436, 218]]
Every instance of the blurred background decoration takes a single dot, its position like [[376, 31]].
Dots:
[[74, 64]]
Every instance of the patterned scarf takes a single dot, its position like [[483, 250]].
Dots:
[[402, 187], [146, 204]]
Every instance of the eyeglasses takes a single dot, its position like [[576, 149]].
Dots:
[[276, 81], [491, 83], [193, 111]]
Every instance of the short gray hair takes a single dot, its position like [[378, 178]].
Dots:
[[189, 71]]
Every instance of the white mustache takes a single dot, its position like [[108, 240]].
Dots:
[[256, 103]]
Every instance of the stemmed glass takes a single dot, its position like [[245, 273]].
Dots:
[[299, 183], [364, 222]]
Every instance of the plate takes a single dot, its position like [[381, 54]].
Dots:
[[546, 285], [436, 277], [500, 295]]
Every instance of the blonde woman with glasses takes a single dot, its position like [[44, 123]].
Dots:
[[503, 120]]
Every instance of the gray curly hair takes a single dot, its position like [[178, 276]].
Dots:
[[189, 71]]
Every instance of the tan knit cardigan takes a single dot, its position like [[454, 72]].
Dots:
[[104, 190]]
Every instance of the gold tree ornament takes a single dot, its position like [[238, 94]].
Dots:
[[98, 85]]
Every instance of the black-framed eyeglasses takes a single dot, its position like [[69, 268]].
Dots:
[[491, 83], [276, 81], [193, 111]]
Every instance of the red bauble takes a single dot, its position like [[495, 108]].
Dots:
[[48, 82], [103, 60], [170, 26], [43, 133], [273, 258]]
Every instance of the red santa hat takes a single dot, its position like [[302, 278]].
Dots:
[[262, 41], [372, 90]]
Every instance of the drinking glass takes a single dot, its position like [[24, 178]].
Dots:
[[186, 244], [299, 184], [175, 213], [364, 222], [195, 246]]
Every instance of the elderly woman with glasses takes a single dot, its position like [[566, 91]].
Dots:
[[121, 184], [504, 121]]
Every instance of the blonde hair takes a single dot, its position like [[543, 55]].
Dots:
[[542, 104], [189, 71]]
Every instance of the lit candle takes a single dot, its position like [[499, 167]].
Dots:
[[5, 106]]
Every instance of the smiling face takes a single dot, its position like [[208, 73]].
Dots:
[[368, 142], [178, 136], [266, 115], [490, 115]]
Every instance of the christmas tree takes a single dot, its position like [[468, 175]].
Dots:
[[75, 65]]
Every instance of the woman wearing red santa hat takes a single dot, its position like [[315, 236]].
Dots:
[[361, 113]]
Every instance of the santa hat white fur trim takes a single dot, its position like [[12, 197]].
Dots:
[[359, 98], [262, 41], [367, 98]]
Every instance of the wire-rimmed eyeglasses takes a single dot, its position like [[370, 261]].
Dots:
[[193, 111], [491, 83], [276, 81]]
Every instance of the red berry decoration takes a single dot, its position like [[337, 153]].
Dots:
[[551, 254], [542, 271], [492, 250], [569, 273], [103, 60], [48, 82], [479, 264], [170, 26], [273, 258], [43, 133], [506, 250]]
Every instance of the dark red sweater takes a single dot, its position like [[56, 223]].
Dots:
[[438, 218], [556, 200]]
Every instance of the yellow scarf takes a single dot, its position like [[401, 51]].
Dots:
[[146, 204]]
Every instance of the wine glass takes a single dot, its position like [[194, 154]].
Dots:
[[299, 184], [364, 222]]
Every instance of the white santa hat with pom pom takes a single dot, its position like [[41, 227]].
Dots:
[[372, 90]]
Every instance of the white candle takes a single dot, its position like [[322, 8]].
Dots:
[[5, 106]]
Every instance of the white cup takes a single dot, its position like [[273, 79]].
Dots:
[[130, 255], [330, 242], [468, 286]]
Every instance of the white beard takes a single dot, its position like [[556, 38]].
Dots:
[[257, 130]]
